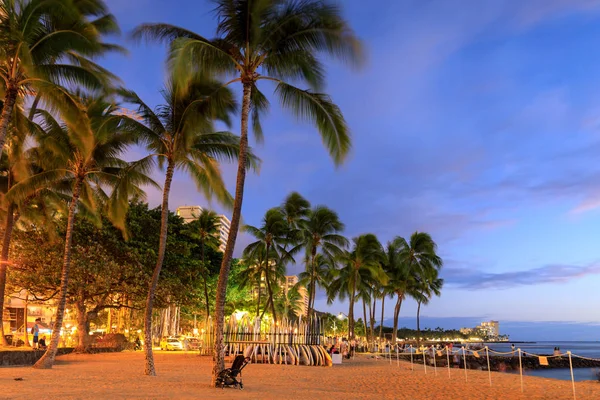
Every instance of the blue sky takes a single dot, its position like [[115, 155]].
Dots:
[[475, 121]]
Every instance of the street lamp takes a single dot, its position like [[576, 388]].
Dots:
[[341, 316]]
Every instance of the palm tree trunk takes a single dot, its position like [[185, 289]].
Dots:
[[259, 294], [396, 314], [205, 279], [311, 301], [351, 312], [365, 319], [218, 354], [47, 360], [372, 307], [10, 97], [8, 227], [269, 291], [162, 245], [418, 325], [381, 321]]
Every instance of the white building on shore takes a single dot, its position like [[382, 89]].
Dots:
[[191, 213]]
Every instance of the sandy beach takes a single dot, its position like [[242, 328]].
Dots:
[[183, 376]]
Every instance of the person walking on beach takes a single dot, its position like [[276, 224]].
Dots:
[[35, 330], [512, 347]]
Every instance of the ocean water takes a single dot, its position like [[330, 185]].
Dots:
[[585, 349]]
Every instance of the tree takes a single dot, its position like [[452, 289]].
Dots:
[[419, 264], [320, 233], [82, 163], [427, 285], [104, 272], [271, 239], [45, 44], [400, 276], [180, 135], [358, 266], [274, 40], [205, 228], [321, 271], [289, 304]]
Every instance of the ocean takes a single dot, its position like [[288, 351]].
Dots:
[[585, 349]]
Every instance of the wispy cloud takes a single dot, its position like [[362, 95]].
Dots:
[[469, 278]]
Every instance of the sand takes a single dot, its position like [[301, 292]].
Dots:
[[184, 376]]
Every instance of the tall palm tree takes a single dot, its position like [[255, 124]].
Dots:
[[14, 168], [275, 40], [398, 277], [358, 266], [208, 226], [320, 233], [45, 44], [417, 262], [180, 136], [271, 238], [322, 271], [83, 163], [426, 287]]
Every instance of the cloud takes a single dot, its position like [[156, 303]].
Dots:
[[469, 278]]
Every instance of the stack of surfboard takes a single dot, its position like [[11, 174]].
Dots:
[[287, 342]]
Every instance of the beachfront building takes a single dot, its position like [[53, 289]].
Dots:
[[191, 213], [490, 328]]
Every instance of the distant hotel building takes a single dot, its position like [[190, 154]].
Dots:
[[191, 213], [490, 328]]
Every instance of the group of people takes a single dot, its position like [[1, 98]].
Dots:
[[343, 347]]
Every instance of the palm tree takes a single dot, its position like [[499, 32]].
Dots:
[[274, 40], [321, 271], [428, 285], [180, 136], [359, 266], [271, 238], [320, 233], [252, 273], [289, 304], [294, 209], [83, 163], [417, 262], [45, 44], [208, 225]]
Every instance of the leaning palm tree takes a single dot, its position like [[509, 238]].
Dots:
[[180, 136], [358, 266], [271, 237], [45, 44], [273, 40], [82, 164], [320, 234]]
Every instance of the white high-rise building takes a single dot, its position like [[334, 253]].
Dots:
[[191, 213]]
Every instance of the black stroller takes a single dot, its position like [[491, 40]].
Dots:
[[228, 377]]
